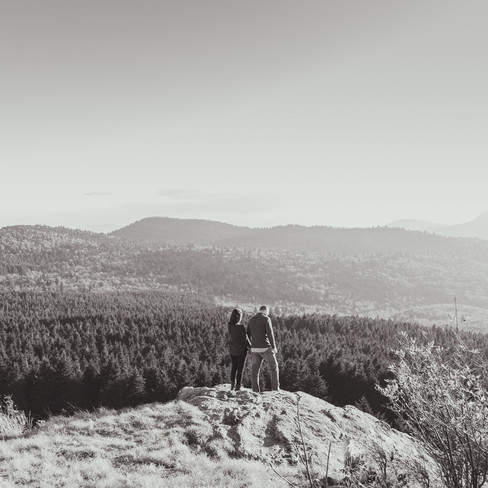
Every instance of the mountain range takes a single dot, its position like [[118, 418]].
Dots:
[[382, 271], [418, 265], [294, 238], [208, 232], [477, 227]]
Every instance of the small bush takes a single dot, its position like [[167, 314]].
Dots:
[[440, 394]]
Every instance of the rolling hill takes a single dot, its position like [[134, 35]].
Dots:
[[179, 231], [296, 238]]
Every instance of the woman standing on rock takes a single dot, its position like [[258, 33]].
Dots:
[[239, 344]]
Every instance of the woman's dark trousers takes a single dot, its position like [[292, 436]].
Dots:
[[236, 371]]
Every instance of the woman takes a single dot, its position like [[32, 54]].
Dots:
[[239, 343]]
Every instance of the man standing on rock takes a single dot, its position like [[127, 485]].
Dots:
[[263, 346]]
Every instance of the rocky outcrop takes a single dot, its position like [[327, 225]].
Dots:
[[266, 427]]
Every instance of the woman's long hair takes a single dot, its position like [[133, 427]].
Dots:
[[235, 316]]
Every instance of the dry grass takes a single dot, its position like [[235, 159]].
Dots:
[[12, 421], [151, 446]]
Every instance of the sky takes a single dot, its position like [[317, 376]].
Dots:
[[348, 113]]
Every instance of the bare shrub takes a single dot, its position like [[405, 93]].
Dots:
[[440, 394], [382, 470]]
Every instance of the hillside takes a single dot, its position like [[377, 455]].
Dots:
[[374, 272], [210, 437], [179, 231], [293, 238]]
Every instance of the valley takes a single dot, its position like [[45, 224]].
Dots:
[[376, 272]]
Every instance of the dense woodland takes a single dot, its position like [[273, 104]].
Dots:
[[63, 351]]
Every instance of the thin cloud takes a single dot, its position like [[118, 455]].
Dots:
[[98, 194], [225, 203], [192, 196]]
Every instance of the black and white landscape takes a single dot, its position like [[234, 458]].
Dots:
[[163, 162], [118, 320]]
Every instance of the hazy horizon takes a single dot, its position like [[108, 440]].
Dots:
[[408, 224], [346, 114]]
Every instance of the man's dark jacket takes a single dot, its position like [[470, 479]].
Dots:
[[260, 330]]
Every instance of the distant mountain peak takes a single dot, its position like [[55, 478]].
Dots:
[[481, 218], [414, 224], [477, 227]]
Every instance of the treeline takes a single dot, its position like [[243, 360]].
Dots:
[[59, 352]]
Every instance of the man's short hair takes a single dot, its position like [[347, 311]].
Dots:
[[264, 308]]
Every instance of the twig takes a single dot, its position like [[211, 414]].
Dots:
[[327, 468], [456, 315], [306, 458], [284, 479]]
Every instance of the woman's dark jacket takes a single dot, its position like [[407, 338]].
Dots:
[[238, 339]]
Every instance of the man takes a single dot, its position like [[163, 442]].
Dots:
[[263, 346]]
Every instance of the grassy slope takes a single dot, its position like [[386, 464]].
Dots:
[[142, 447]]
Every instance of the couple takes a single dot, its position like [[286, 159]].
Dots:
[[259, 338]]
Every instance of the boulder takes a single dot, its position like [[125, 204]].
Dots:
[[280, 427]]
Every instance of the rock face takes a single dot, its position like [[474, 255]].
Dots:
[[266, 427]]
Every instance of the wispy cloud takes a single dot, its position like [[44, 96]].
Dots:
[[98, 194], [187, 199], [189, 195]]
